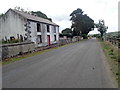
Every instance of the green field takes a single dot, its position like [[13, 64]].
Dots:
[[113, 34]]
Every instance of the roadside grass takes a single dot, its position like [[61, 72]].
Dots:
[[20, 57], [113, 58]]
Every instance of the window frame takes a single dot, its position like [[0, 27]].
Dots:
[[40, 38], [48, 28], [38, 27], [54, 29]]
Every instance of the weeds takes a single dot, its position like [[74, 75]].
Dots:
[[112, 57]]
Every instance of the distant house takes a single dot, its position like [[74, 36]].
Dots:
[[20, 25]]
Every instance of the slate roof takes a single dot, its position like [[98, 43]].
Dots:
[[34, 18]]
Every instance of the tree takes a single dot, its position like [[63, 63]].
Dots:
[[101, 27], [81, 23], [40, 14], [1, 14], [67, 32]]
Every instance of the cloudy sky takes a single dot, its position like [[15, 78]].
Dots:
[[59, 10]]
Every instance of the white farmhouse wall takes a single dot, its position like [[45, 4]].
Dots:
[[0, 29], [51, 34], [57, 33], [33, 30], [44, 34], [12, 24]]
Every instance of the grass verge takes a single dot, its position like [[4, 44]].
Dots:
[[113, 58]]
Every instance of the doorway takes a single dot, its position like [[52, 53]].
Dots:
[[48, 40]]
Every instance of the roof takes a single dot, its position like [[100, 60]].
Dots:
[[34, 18]]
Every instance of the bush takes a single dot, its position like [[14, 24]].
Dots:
[[10, 41], [117, 73], [84, 36], [111, 53], [118, 58]]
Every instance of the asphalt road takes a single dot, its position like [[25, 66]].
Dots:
[[79, 65]]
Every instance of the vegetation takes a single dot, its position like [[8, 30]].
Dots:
[[113, 34], [40, 14], [113, 57], [101, 27], [67, 32], [96, 35], [81, 23], [1, 14], [10, 41]]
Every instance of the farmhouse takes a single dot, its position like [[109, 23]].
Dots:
[[16, 24]]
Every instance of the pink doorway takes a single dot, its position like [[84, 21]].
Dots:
[[48, 40]]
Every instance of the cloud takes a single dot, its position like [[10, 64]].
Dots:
[[60, 17], [59, 10]]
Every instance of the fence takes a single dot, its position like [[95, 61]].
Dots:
[[114, 41]]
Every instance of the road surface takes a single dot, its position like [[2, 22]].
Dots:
[[79, 65]]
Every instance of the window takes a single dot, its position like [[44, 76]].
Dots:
[[12, 38], [38, 27], [54, 29], [54, 37], [39, 39], [48, 28]]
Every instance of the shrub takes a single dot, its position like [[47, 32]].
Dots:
[[118, 58], [10, 41], [84, 36], [111, 53]]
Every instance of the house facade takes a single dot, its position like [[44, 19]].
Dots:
[[20, 25]]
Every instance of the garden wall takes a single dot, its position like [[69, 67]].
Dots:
[[9, 50]]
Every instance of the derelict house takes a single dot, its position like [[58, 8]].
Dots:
[[16, 24]]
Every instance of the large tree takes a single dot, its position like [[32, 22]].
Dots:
[[81, 23]]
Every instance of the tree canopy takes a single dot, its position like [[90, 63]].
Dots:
[[40, 14], [81, 23], [1, 14], [67, 32], [101, 27]]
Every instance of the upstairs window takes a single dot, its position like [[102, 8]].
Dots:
[[48, 28], [38, 27], [54, 29]]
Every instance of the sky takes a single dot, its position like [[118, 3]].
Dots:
[[59, 10]]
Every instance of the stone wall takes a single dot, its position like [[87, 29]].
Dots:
[[10, 50]]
